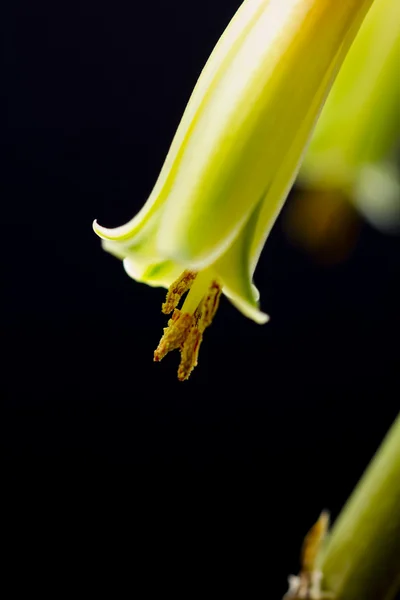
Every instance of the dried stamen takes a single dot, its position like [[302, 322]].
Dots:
[[185, 329], [176, 291], [174, 334], [209, 306], [190, 353]]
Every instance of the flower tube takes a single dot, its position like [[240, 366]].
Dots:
[[233, 161]]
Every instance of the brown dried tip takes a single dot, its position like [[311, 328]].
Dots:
[[176, 291], [208, 306], [307, 585], [185, 331], [313, 542], [174, 334], [189, 353]]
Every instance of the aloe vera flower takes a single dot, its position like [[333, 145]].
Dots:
[[233, 161], [353, 149]]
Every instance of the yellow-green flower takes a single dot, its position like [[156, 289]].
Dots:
[[353, 147], [233, 160]]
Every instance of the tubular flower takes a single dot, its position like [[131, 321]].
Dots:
[[353, 148], [233, 160]]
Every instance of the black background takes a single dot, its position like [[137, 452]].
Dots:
[[225, 473]]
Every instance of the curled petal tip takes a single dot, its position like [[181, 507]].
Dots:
[[105, 233], [262, 318], [115, 234], [101, 231]]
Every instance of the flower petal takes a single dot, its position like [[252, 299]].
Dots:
[[360, 123], [233, 269], [238, 28], [254, 109]]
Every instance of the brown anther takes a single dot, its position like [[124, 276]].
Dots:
[[189, 353], [176, 291], [185, 330], [209, 306], [203, 317], [174, 335]]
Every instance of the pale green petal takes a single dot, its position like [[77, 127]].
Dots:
[[354, 145], [243, 131], [227, 45], [377, 195], [360, 123], [234, 273], [141, 259], [286, 172], [135, 241], [238, 146], [246, 308], [161, 274]]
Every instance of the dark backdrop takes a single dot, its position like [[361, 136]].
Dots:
[[276, 423]]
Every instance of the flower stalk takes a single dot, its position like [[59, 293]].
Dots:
[[360, 559], [362, 556]]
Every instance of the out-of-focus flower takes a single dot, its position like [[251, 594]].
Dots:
[[351, 160], [323, 223], [233, 160]]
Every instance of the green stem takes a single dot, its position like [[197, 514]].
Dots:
[[362, 557]]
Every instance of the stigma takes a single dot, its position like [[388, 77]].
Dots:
[[186, 326]]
